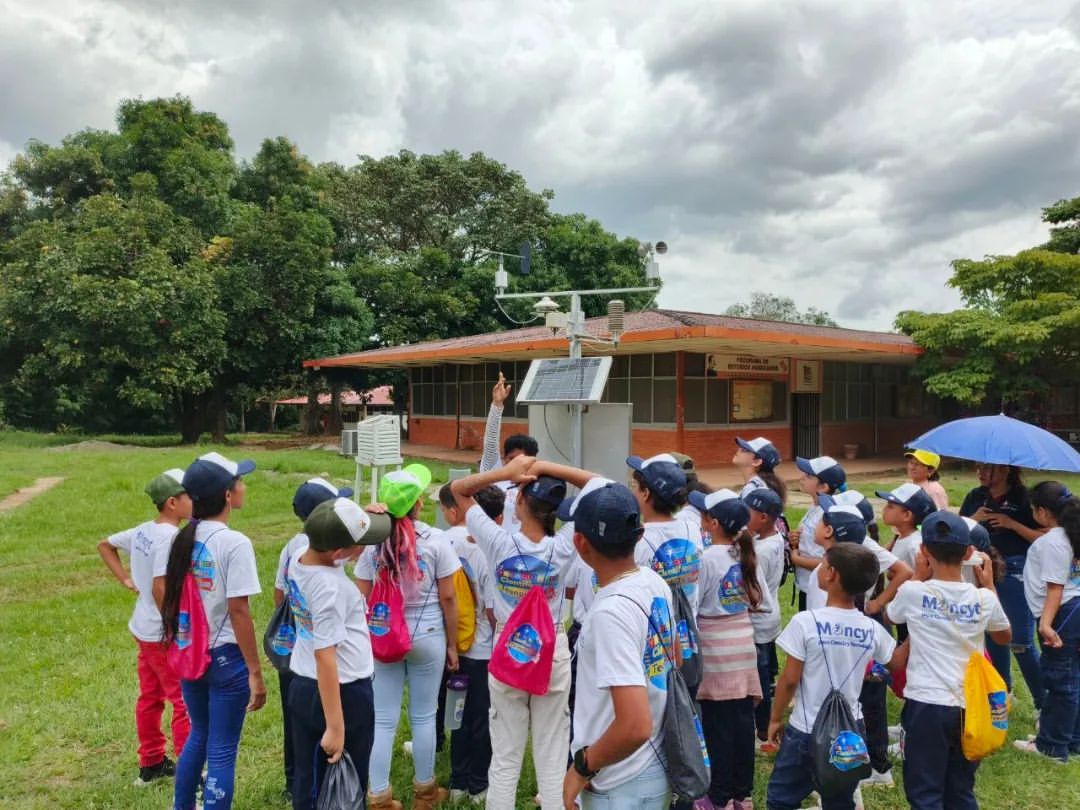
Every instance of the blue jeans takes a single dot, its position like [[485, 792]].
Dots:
[[423, 668], [937, 775], [647, 791], [1011, 593], [792, 779], [1059, 723], [217, 704]]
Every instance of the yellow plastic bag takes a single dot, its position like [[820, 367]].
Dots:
[[466, 611], [986, 714]]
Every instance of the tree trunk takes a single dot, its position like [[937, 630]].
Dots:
[[217, 415], [191, 418], [273, 413], [335, 408], [311, 410]]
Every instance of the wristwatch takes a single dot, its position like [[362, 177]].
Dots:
[[581, 764]]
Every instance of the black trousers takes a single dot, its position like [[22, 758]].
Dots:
[[285, 680], [729, 737], [768, 667], [470, 745], [876, 719], [309, 724]]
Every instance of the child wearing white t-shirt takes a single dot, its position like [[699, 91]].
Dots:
[[905, 509], [826, 649], [222, 562], [330, 696], [820, 476], [157, 682], [1052, 590], [947, 620], [625, 652]]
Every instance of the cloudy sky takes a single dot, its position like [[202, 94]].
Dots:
[[838, 151]]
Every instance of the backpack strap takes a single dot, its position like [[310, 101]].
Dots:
[[828, 669]]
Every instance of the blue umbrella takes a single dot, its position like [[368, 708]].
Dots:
[[1000, 440]]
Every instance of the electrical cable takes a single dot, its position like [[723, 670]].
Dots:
[[551, 436], [511, 318]]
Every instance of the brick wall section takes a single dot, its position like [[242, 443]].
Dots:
[[441, 431], [708, 447]]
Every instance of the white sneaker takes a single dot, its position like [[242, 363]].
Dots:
[[878, 779], [479, 799], [1028, 746], [407, 748], [858, 799], [896, 750], [895, 732], [458, 795]]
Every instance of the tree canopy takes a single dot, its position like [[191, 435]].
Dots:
[[769, 307], [1019, 333], [149, 279]]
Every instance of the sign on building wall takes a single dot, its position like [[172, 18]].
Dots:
[[806, 376], [745, 365], [751, 400]]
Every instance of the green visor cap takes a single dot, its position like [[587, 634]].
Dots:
[[401, 489], [340, 523], [167, 485]]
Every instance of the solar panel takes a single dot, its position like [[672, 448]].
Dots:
[[565, 379]]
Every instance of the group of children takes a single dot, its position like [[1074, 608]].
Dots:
[[659, 572]]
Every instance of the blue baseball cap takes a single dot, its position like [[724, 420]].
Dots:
[[547, 488], [605, 512], [945, 527], [847, 523], [911, 497], [212, 473], [826, 469], [724, 506], [313, 492], [980, 537], [852, 497], [663, 475], [764, 500], [763, 449]]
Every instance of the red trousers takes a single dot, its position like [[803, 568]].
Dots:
[[157, 684]]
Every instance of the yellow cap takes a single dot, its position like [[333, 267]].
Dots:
[[931, 460]]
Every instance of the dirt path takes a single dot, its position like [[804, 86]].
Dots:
[[27, 494]]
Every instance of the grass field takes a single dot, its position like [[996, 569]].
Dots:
[[67, 663]]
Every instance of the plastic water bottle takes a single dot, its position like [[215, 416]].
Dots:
[[457, 685]]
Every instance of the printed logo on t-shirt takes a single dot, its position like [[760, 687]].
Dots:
[[838, 634], [1074, 573], [938, 608], [678, 561], [525, 644], [657, 643], [848, 751], [143, 544], [300, 610], [514, 576], [202, 566], [379, 621], [730, 593]]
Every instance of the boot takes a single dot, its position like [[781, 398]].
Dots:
[[383, 801], [427, 795]]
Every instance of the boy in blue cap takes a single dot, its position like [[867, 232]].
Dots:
[[308, 495], [820, 476], [625, 651], [947, 620]]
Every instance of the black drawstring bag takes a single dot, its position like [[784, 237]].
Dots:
[[280, 636], [340, 787], [692, 666]]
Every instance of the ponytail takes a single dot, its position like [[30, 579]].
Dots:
[[775, 483], [543, 511], [398, 552], [1056, 499], [744, 542], [178, 566]]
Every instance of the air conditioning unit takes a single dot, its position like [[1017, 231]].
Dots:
[[378, 440], [348, 439]]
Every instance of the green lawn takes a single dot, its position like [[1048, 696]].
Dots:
[[67, 663]]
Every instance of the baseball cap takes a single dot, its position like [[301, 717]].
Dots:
[[825, 468], [605, 512], [340, 523], [401, 489], [932, 460], [852, 497], [764, 500], [313, 492], [548, 489], [686, 463], [847, 522], [212, 473], [980, 537], [663, 475], [761, 448], [945, 527], [167, 485], [724, 506], [912, 497]]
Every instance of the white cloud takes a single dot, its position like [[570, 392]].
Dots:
[[842, 153]]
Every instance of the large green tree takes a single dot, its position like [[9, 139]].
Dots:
[[1019, 333], [771, 307]]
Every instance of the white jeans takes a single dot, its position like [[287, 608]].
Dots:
[[512, 713]]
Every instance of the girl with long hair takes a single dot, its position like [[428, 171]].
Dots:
[[757, 460], [730, 588], [421, 562], [222, 562], [1052, 589]]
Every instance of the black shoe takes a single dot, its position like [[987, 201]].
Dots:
[[152, 773]]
